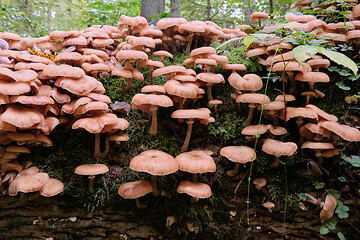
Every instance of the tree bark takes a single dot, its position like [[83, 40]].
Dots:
[[48, 23], [208, 10], [151, 8], [248, 10], [175, 8]]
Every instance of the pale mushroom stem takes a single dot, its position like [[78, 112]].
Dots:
[[276, 162], [97, 152], [251, 114], [154, 128], [274, 119], [91, 183], [188, 135], [209, 95], [139, 204], [311, 86], [155, 192], [232, 173], [181, 102], [189, 44], [162, 59]]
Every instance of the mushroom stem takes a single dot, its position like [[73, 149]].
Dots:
[[251, 114], [153, 129], [276, 162], [91, 183], [139, 204], [188, 135], [97, 152], [209, 95], [189, 44], [122, 84], [128, 87], [311, 199], [319, 156], [194, 177], [232, 173], [292, 82], [193, 200], [155, 192]]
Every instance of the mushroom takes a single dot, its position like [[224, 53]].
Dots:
[[278, 148], [91, 170], [203, 114], [328, 208], [269, 206], [238, 154], [135, 190], [156, 163], [151, 102], [259, 183]]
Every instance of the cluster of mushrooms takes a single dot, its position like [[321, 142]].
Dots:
[[40, 89]]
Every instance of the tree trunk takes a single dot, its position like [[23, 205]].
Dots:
[[151, 8], [69, 6], [48, 23], [208, 10], [271, 7], [175, 8], [248, 10]]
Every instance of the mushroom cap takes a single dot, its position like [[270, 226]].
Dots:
[[163, 53], [201, 113], [196, 190], [300, 112], [131, 54], [196, 161], [21, 116], [154, 162], [288, 98], [28, 183], [317, 145], [81, 86], [268, 205], [132, 190], [153, 88], [238, 154], [151, 99], [169, 70], [278, 148], [210, 77], [185, 90], [202, 51], [259, 16], [273, 106], [322, 114], [91, 169], [96, 123], [346, 132], [250, 82], [277, 131], [329, 207], [312, 77], [236, 67], [63, 71], [259, 181], [253, 98], [255, 129], [52, 187]]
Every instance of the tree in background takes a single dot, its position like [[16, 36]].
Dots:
[[152, 9], [175, 8]]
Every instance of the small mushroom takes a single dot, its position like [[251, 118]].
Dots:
[[259, 183], [91, 170], [269, 206]]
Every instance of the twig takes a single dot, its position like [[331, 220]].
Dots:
[[353, 226], [242, 179]]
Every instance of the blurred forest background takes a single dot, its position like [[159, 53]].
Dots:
[[35, 18]]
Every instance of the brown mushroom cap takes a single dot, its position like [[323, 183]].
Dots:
[[250, 82], [202, 51], [322, 114], [63, 71], [253, 98], [196, 190], [196, 161], [131, 54], [21, 116], [91, 169], [253, 130], [132, 190], [154, 162], [278, 148], [169, 70], [259, 16], [259, 182], [317, 145], [238, 154], [151, 99]]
